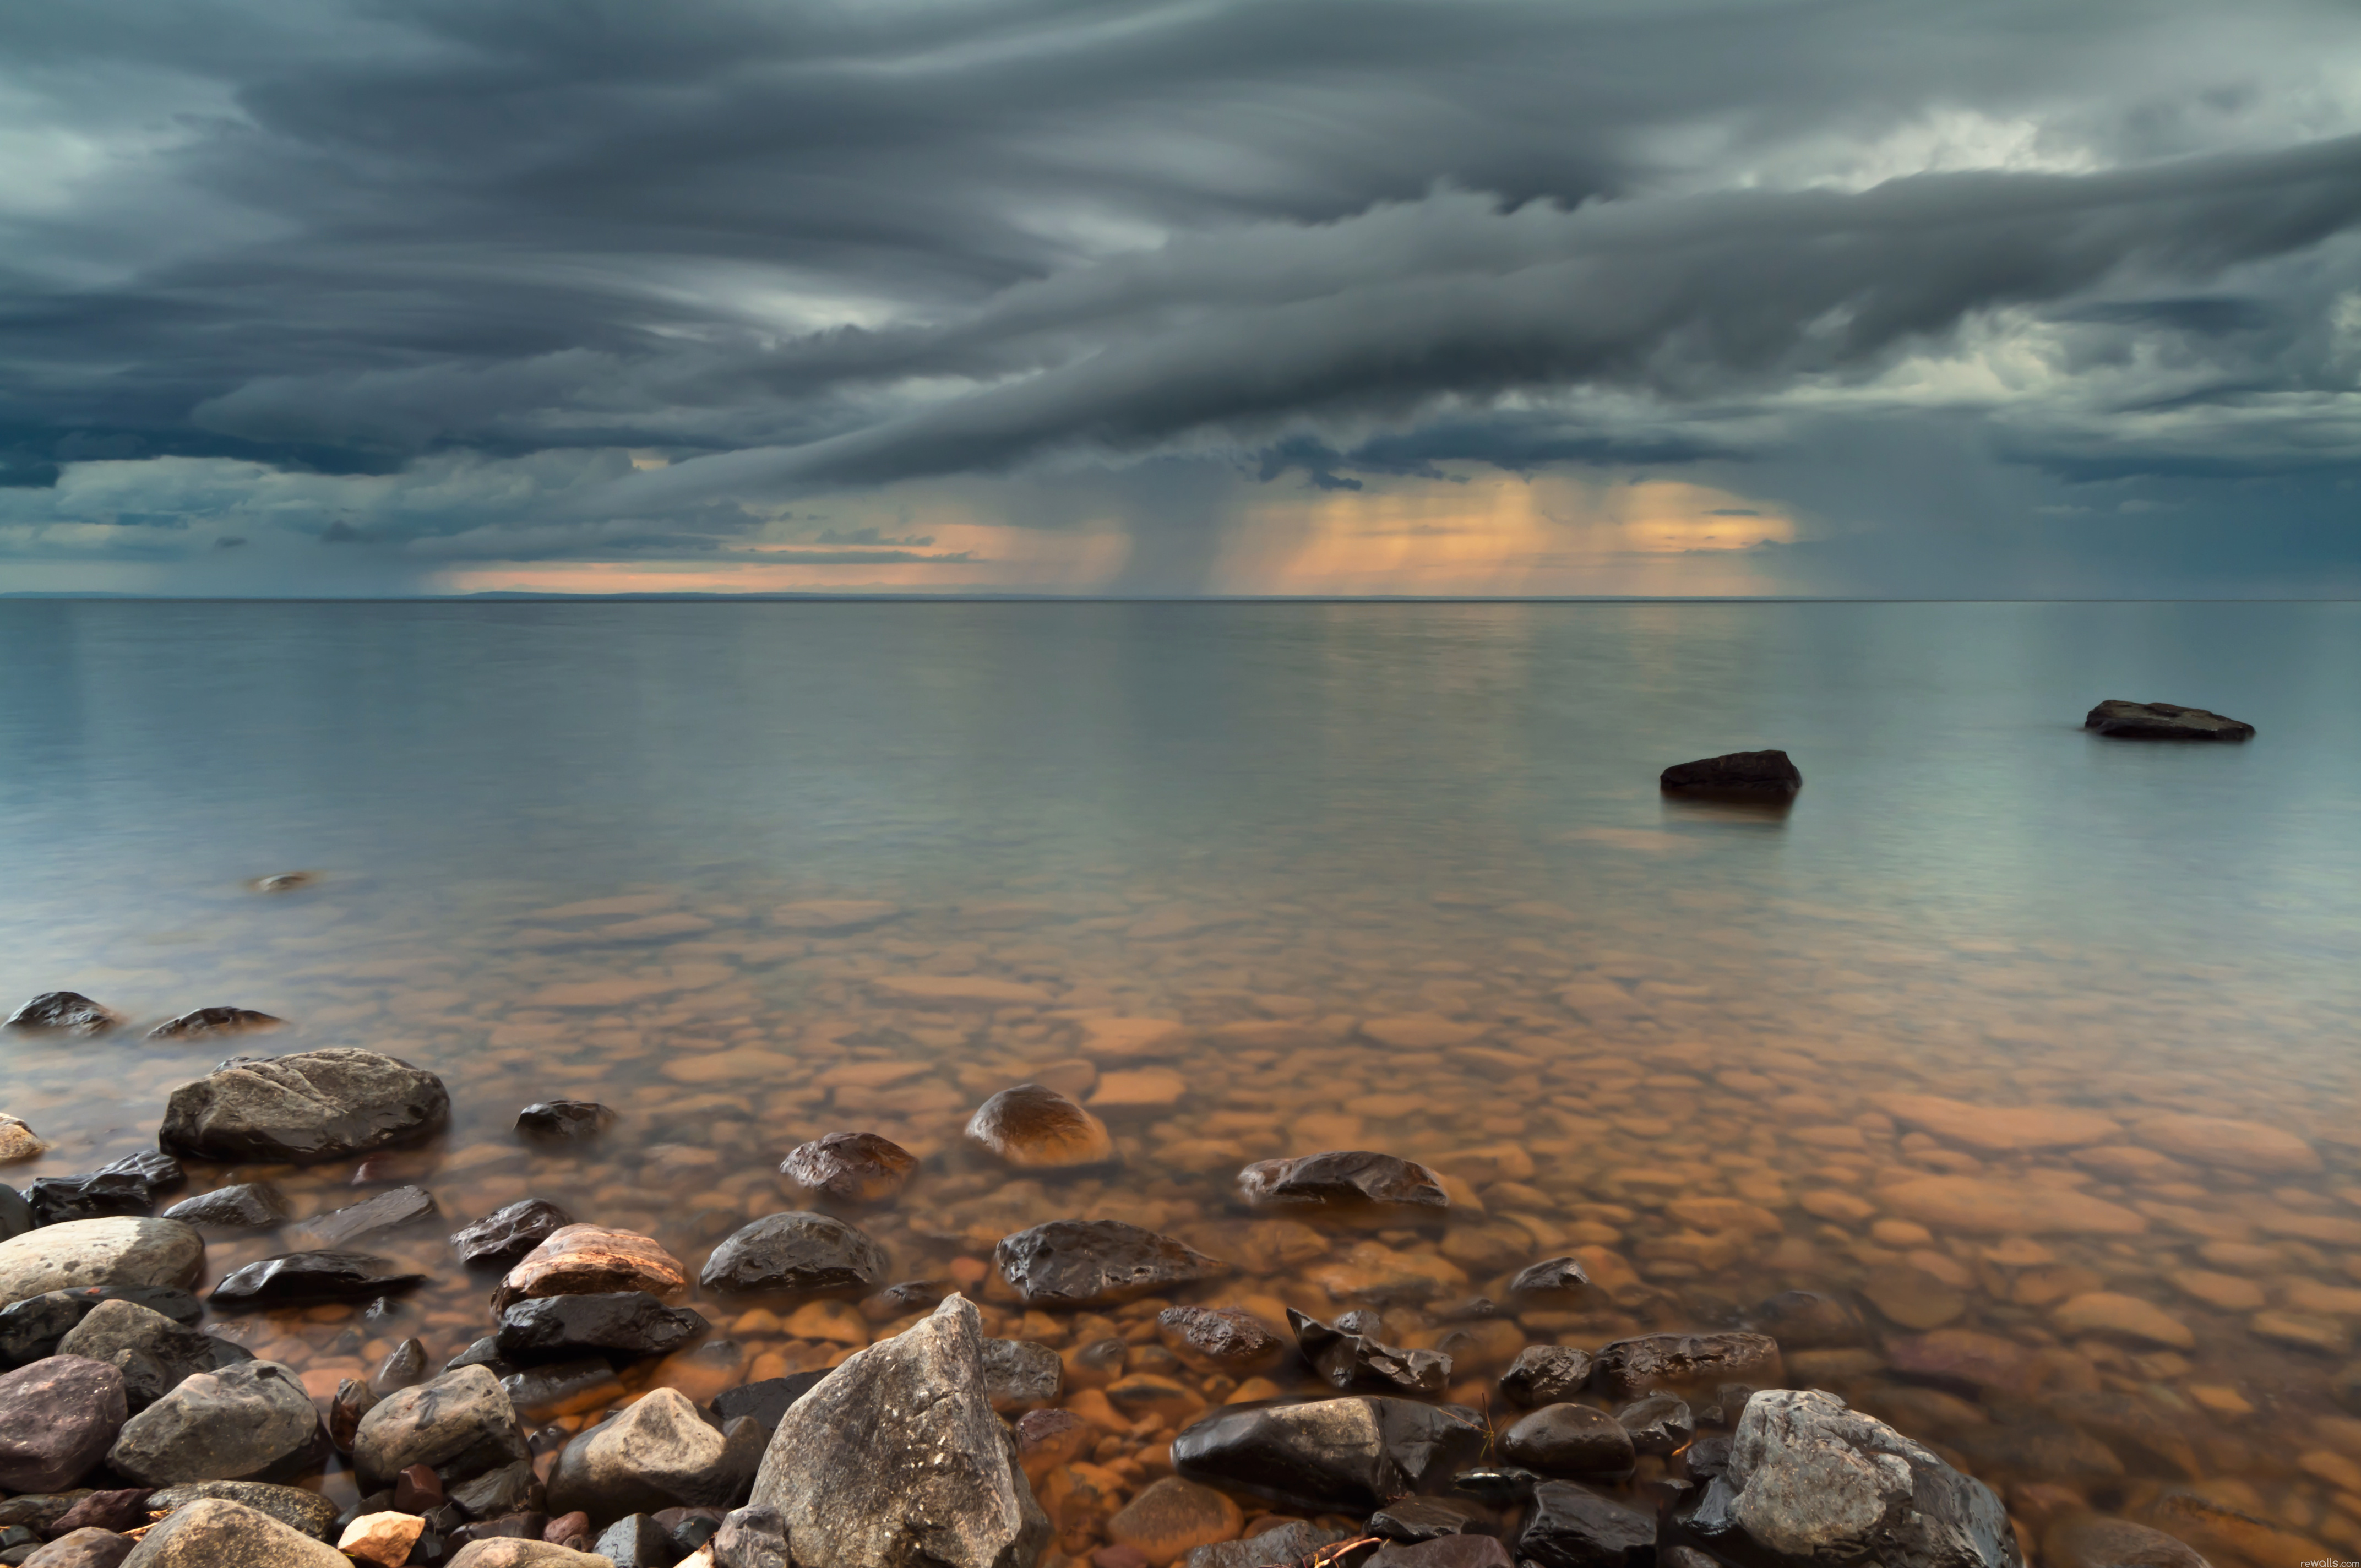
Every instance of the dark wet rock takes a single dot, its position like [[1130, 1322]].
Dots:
[[767, 1400], [403, 1365], [151, 1351], [1287, 1543], [251, 1422], [1572, 1528], [248, 1206], [660, 1453], [484, 1352], [1019, 1375], [1734, 772], [39, 1511], [1550, 1277], [68, 1011], [353, 1400], [797, 1251], [1219, 1339], [565, 1119], [1547, 1375], [751, 1537], [1343, 1180], [304, 1108], [34, 1327], [212, 1021], [159, 1170], [895, 1460], [56, 1199], [2086, 1540], [1036, 1128], [1707, 1456], [509, 1232], [298, 1509], [850, 1167], [2163, 721], [1358, 1363], [461, 1424], [402, 1206], [1497, 1485], [215, 1531], [613, 1323], [56, 1419], [635, 1540], [1096, 1263], [1813, 1482], [1682, 1363], [1463, 1549], [123, 1509], [418, 1490], [1804, 1320], [563, 1388], [1424, 1518], [295, 1277], [1569, 1440], [87, 1546], [1347, 1455], [16, 1214], [511, 1489], [691, 1528], [1659, 1424]]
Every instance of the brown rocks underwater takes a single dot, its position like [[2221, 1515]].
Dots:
[[1182, 1228]]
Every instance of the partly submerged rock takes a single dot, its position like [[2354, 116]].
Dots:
[[1342, 1179], [1547, 1375], [1032, 1127], [214, 1021], [402, 1206], [1573, 1528], [565, 1119], [1344, 1456], [1357, 1362], [1550, 1277], [311, 1106], [1685, 1363], [306, 1276], [508, 1233], [1569, 1440], [248, 1206], [66, 1012], [895, 1460], [850, 1167], [2163, 721], [800, 1251], [19, 1142], [1095, 1263], [1766, 773], [585, 1260], [56, 1199], [609, 1323], [1219, 1339], [81, 1253]]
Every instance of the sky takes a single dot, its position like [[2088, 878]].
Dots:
[[1885, 299]]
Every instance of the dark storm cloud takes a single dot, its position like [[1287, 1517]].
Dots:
[[439, 247]]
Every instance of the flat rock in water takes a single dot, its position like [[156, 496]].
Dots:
[[895, 1460], [800, 1251], [459, 1425], [1569, 1440], [250, 1421], [2255, 1147], [1345, 1456], [1219, 1339], [36, 1326], [1036, 1128], [1996, 1129], [507, 1233], [1095, 1263], [850, 1167], [311, 1106], [1547, 1375], [301, 1276], [1572, 1527], [67, 1011], [217, 1532], [403, 1206], [248, 1206], [617, 1322], [1988, 1207], [81, 1253], [1811, 1482], [56, 1199], [1343, 1179], [296, 1508], [565, 1119], [212, 1021], [1685, 1363], [58, 1418], [585, 1260], [1552, 1276], [1357, 1362], [1767, 773], [660, 1453], [2163, 721]]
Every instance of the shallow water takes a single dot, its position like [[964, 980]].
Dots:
[[1400, 876]]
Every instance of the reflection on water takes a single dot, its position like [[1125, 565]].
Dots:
[[1398, 878]]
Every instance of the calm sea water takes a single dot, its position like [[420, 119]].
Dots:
[[1343, 846]]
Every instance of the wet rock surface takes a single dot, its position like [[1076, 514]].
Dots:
[[1037, 1128], [252, 1420], [617, 1324], [56, 1199], [1347, 1455], [2163, 721], [1569, 1440], [81, 1253], [458, 1425], [850, 1167], [311, 1106], [799, 1251], [1766, 774], [1573, 1528], [1096, 1263], [583, 1259], [1227, 1339], [65, 1012], [1547, 1375], [298, 1278], [386, 1211], [246, 1206], [36, 1326], [510, 1231], [1358, 1361], [662, 1453], [1682, 1363], [58, 1418], [214, 1021], [565, 1119], [151, 1351], [1345, 1179]]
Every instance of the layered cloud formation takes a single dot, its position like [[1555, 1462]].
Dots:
[[1369, 296]]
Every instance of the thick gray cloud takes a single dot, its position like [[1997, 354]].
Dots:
[[414, 282]]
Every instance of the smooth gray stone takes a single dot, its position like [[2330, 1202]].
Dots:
[[118, 1251], [459, 1425], [247, 1422], [218, 1533], [795, 1251], [311, 1106], [151, 1351]]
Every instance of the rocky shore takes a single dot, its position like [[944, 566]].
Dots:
[[1095, 1389]]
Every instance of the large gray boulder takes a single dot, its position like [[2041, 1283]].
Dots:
[[660, 1453], [118, 1250], [1329, 1456], [895, 1460], [311, 1106], [251, 1422], [56, 1419], [1812, 1483], [459, 1425], [218, 1532]]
